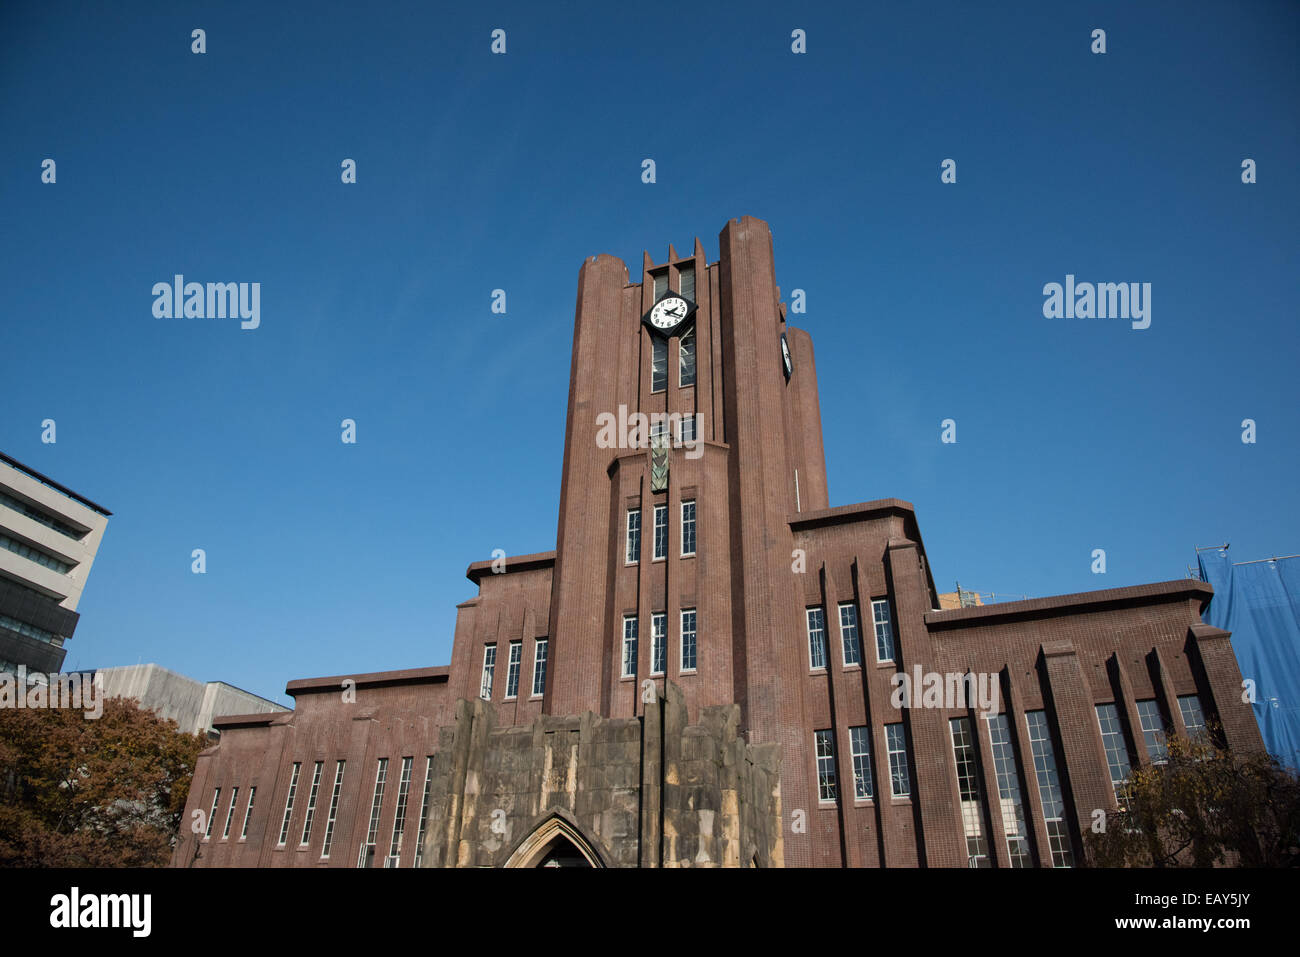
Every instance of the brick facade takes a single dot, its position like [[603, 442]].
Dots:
[[768, 548]]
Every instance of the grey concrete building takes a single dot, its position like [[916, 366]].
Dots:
[[48, 539], [193, 705]]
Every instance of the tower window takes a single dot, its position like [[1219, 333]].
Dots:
[[826, 785], [686, 356], [658, 364], [900, 781], [884, 630], [849, 634], [1153, 731], [633, 536], [687, 273], [539, 667], [688, 639], [860, 744], [688, 528], [816, 638], [661, 283], [658, 643], [661, 531], [513, 664], [629, 646], [334, 809], [489, 672]]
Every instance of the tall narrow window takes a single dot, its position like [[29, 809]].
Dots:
[[1193, 716], [816, 638], [629, 646], [658, 643], [367, 856], [1049, 789], [424, 812], [971, 793], [248, 813], [1011, 806], [688, 528], [311, 804], [686, 271], [688, 639], [399, 818], [852, 645], [661, 283], [826, 783], [688, 430], [334, 810], [1112, 738], [288, 804], [884, 629], [1153, 731], [686, 358], [661, 531], [633, 535], [658, 364], [216, 797], [230, 815], [489, 672], [513, 664], [860, 745], [900, 778], [539, 666]]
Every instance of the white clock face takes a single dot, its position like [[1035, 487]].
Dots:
[[668, 312], [785, 355]]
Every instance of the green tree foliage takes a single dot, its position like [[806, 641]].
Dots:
[[77, 792], [1205, 806]]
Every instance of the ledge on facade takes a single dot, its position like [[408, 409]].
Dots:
[[841, 514], [260, 720], [517, 563], [1201, 631], [1179, 589], [374, 679]]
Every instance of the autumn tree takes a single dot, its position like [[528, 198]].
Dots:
[[82, 792], [1204, 806]]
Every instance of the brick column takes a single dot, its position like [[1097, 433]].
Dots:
[[1214, 651], [935, 777], [1083, 761]]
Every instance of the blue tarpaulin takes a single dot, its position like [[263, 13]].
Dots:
[[1259, 602]]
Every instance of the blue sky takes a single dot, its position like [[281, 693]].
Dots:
[[478, 172]]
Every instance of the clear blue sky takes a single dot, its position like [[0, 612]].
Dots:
[[478, 172]]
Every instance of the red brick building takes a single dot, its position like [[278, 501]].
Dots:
[[698, 550]]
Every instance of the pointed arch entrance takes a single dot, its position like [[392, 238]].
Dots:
[[556, 842]]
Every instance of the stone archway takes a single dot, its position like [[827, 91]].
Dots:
[[556, 842]]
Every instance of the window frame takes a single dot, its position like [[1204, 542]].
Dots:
[[824, 751], [631, 544], [541, 653], [682, 362], [693, 631], [822, 647], [861, 735], [851, 606], [889, 625], [660, 533], [514, 666], [630, 643], [694, 523], [487, 680], [902, 764]]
